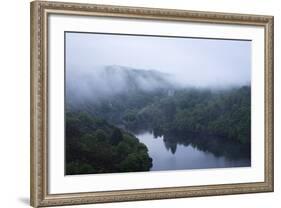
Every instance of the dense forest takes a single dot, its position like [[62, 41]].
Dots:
[[94, 146], [97, 131], [220, 112]]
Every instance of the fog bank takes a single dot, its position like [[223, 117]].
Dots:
[[99, 66], [197, 62]]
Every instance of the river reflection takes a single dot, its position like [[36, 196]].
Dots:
[[194, 152]]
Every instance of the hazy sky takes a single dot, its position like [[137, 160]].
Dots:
[[199, 62]]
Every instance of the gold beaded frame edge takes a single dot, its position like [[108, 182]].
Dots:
[[39, 195]]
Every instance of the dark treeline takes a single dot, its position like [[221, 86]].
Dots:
[[225, 113], [94, 146]]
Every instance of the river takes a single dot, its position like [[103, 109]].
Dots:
[[177, 156]]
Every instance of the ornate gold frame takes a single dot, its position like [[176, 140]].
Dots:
[[39, 103]]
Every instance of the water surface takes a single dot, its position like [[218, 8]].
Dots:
[[176, 155]]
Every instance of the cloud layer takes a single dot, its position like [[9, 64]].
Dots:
[[197, 62]]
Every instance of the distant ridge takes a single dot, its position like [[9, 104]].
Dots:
[[109, 81]]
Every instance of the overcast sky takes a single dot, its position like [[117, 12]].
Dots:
[[199, 62]]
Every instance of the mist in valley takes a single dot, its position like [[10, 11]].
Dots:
[[142, 103], [102, 66]]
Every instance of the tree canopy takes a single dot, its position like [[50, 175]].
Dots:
[[94, 146]]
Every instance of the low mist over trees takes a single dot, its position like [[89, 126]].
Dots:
[[223, 113], [167, 107], [126, 100]]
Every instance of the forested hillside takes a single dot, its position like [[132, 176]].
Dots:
[[223, 113], [218, 112], [94, 146]]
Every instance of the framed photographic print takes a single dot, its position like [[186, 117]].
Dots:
[[145, 103]]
